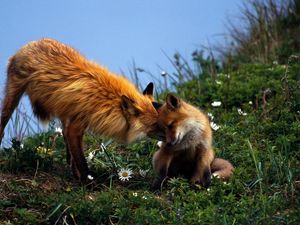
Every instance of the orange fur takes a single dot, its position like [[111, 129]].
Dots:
[[62, 83], [221, 168], [188, 148]]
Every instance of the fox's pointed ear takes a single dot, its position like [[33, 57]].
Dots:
[[149, 90], [173, 103], [156, 105], [128, 106]]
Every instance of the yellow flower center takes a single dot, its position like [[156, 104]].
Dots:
[[125, 174]]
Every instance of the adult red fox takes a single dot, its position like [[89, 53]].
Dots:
[[62, 83], [188, 148]]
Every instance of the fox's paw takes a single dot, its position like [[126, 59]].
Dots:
[[155, 188], [205, 181], [194, 180], [156, 185]]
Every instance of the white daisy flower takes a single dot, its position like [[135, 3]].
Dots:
[[125, 174], [89, 197], [143, 173], [135, 194], [90, 177], [144, 197], [250, 102], [241, 112], [210, 115], [91, 156], [218, 82], [268, 90], [58, 130], [22, 146], [214, 126], [216, 103]]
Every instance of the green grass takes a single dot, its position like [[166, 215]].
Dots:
[[37, 187]]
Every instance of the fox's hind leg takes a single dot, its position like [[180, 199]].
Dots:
[[13, 93], [73, 134], [68, 154]]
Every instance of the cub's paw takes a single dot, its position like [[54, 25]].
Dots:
[[206, 179], [156, 185]]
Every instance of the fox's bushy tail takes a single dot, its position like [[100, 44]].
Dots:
[[14, 89], [221, 168]]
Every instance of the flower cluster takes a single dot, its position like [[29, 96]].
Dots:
[[44, 152], [135, 194], [126, 174]]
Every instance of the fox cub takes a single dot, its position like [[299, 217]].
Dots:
[[62, 83], [188, 148]]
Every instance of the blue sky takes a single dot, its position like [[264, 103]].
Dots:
[[113, 33]]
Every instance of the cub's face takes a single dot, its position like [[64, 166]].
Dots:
[[179, 122], [172, 124], [172, 118]]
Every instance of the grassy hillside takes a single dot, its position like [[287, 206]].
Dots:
[[258, 132]]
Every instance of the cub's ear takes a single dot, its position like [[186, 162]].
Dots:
[[173, 103], [149, 90], [128, 106]]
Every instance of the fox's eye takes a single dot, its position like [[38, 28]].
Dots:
[[170, 126]]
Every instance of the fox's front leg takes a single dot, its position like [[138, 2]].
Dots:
[[161, 162], [202, 173]]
